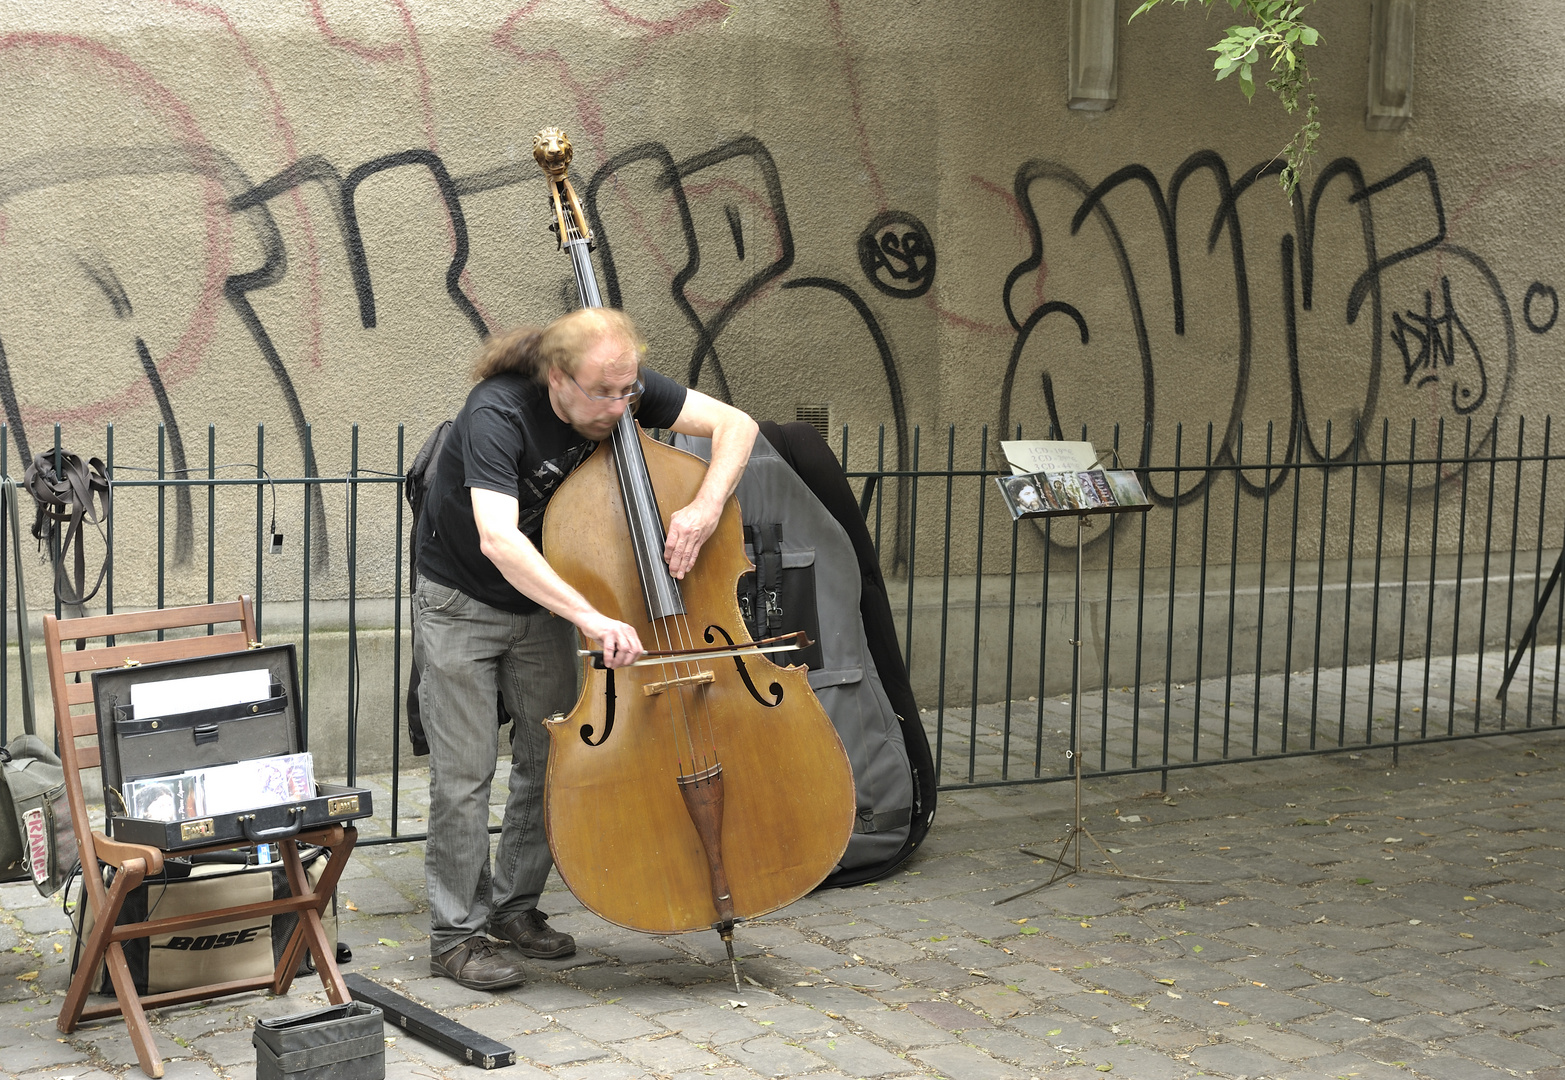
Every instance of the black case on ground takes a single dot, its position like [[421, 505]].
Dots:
[[340, 1042], [136, 747]]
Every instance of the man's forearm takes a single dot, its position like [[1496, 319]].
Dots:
[[530, 574], [732, 441]]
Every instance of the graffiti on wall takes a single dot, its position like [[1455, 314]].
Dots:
[[1223, 298], [1434, 329]]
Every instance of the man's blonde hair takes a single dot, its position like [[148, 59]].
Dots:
[[534, 352]]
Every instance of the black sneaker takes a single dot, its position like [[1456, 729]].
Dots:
[[529, 932], [479, 963]]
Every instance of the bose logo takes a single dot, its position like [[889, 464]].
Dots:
[[213, 941]]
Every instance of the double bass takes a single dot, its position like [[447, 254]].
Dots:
[[705, 784]]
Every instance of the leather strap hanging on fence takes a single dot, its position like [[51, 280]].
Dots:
[[76, 493]]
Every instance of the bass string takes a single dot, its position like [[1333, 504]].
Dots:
[[704, 712], [698, 732], [678, 720], [673, 632]]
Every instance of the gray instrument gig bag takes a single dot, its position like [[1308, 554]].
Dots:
[[807, 578], [35, 817], [36, 837]]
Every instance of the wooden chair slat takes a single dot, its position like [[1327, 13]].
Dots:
[[140, 622], [147, 652]]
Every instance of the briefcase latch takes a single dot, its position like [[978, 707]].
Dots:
[[198, 829]]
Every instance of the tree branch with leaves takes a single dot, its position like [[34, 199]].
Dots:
[[1277, 33]]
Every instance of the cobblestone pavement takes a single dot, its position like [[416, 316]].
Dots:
[[1337, 916]]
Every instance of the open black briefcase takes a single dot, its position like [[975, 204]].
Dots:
[[157, 763]]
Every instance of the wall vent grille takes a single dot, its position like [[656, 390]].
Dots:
[[817, 416]]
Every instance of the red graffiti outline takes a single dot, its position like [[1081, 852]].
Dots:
[[688, 19], [363, 52], [425, 89], [1007, 197], [856, 100], [185, 357], [759, 202], [586, 110], [425, 93], [313, 299]]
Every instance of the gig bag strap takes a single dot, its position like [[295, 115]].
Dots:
[[769, 558], [8, 508], [75, 493]]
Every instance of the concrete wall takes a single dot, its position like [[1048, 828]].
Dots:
[[305, 215]]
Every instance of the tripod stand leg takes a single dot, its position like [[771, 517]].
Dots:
[[1105, 854], [1061, 867]]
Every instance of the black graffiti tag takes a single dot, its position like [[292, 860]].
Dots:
[[1431, 342], [898, 254], [1539, 323]]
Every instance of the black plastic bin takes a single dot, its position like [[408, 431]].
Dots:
[[341, 1042]]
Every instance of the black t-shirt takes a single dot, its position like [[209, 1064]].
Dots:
[[507, 438]]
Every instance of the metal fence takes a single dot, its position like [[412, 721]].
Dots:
[[1289, 593]]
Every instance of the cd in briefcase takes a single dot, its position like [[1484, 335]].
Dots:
[[164, 728]]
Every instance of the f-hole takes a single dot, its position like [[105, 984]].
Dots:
[[608, 712], [775, 689]]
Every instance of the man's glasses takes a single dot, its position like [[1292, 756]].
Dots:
[[630, 395]]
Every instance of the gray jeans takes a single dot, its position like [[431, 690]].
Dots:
[[468, 651]]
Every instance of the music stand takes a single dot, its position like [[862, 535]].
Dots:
[[1078, 494]]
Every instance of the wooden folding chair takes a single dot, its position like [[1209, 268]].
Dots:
[[78, 732]]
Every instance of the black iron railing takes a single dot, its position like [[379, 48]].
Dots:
[[1282, 597]]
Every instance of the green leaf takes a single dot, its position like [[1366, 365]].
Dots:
[[1363, 881], [1055, 1032], [1029, 930], [1309, 35], [1196, 948]]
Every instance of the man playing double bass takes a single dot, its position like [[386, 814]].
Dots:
[[486, 604]]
